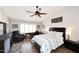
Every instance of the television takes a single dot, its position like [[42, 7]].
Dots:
[[2, 28]]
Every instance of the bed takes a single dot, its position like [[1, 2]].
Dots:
[[45, 43]]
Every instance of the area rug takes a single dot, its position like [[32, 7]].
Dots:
[[16, 48], [22, 47]]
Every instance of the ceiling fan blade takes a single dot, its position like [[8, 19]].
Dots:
[[39, 15], [43, 13], [32, 15], [29, 11]]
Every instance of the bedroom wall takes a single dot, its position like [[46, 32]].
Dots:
[[12, 21], [70, 20], [4, 18]]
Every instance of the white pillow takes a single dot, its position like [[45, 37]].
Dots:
[[55, 33], [52, 33], [59, 34]]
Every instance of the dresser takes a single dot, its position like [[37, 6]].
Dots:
[[72, 45]]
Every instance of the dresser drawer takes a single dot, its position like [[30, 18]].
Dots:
[[74, 46]]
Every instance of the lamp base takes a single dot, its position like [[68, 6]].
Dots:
[[68, 37]]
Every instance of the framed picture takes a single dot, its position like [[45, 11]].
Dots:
[[57, 20], [38, 26], [14, 25]]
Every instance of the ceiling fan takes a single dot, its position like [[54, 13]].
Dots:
[[37, 12]]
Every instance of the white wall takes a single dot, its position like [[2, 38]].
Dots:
[[4, 18], [20, 22], [70, 20]]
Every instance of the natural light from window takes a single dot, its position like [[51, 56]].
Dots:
[[27, 28]]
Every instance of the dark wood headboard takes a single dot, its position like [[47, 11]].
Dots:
[[59, 29]]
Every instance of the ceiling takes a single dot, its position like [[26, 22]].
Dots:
[[19, 12]]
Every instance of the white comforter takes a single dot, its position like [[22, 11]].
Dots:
[[47, 42]]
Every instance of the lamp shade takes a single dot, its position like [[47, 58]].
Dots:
[[69, 31]]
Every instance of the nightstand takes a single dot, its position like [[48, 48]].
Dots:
[[72, 45]]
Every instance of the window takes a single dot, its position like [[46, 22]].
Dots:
[[21, 28], [27, 28]]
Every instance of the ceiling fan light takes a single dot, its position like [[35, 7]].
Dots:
[[36, 6], [39, 9]]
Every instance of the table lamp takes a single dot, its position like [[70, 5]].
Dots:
[[68, 32]]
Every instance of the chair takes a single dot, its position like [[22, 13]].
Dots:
[[17, 37]]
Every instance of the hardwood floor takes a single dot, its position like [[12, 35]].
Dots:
[[27, 47]]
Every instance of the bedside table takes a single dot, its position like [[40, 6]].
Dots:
[[72, 45]]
